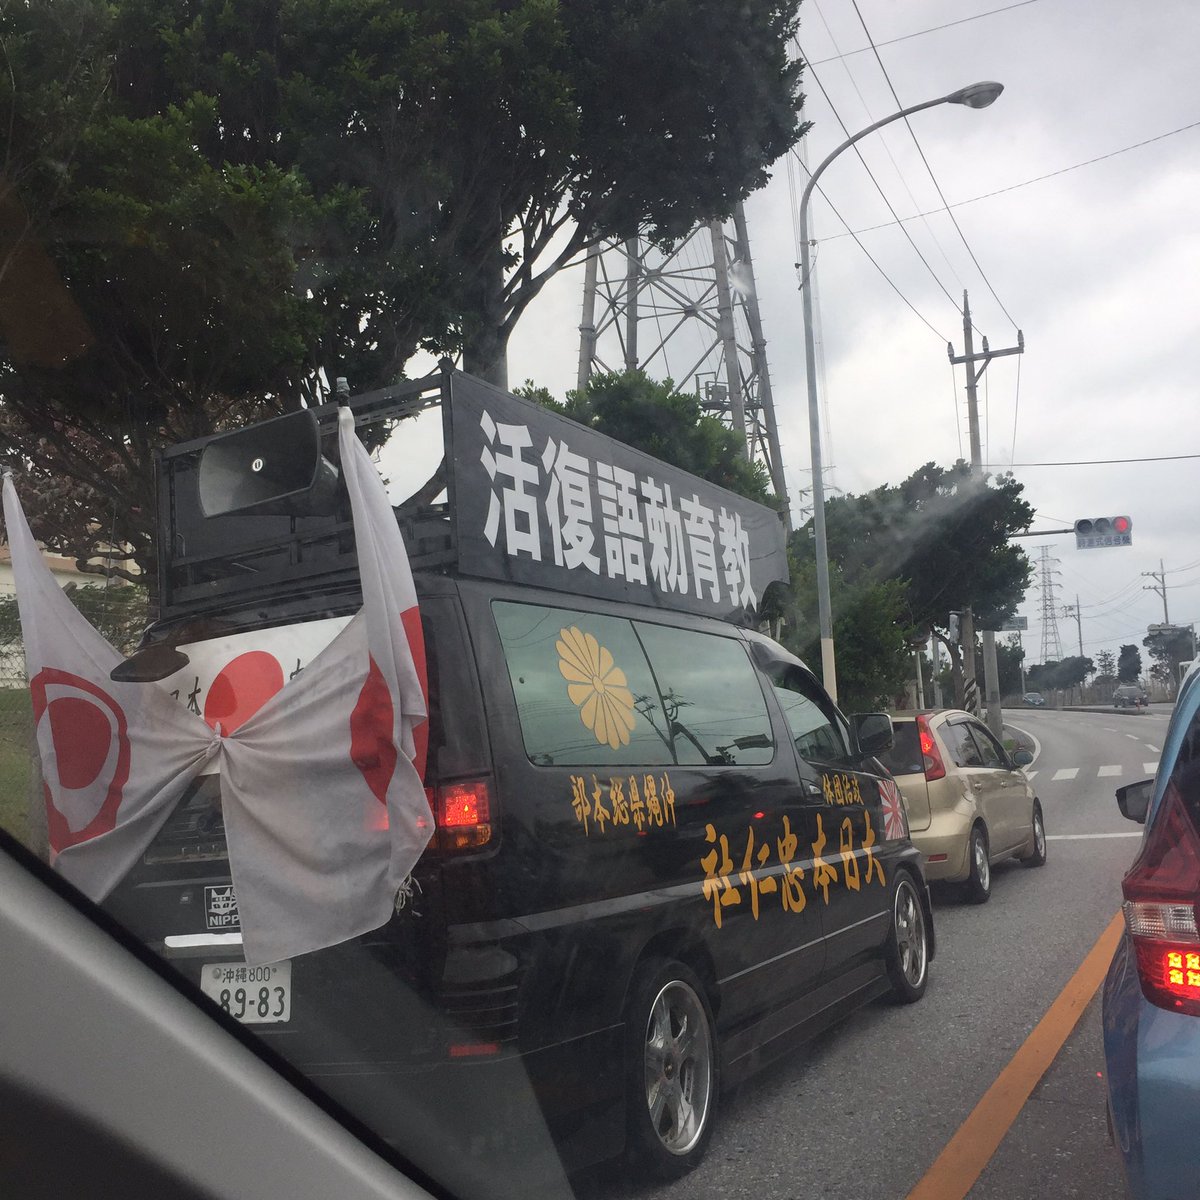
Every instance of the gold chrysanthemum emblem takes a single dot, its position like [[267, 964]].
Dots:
[[597, 687]]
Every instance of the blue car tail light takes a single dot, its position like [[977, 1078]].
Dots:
[[1161, 892]]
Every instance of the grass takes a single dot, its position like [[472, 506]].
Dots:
[[14, 761]]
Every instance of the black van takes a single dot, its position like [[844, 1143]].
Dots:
[[661, 857]]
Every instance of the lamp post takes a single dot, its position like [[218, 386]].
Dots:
[[977, 95]]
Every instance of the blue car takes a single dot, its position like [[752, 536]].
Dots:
[[1152, 991]]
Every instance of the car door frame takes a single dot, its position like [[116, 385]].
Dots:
[[1010, 792]]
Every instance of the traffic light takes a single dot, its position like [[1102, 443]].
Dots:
[[1092, 533]]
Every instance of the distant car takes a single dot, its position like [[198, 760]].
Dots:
[[1151, 1005], [1130, 696], [969, 803], [1034, 700]]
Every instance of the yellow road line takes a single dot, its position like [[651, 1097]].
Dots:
[[960, 1164]]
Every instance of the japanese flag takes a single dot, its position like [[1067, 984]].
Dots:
[[321, 785]]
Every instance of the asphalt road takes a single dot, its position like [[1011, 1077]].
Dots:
[[865, 1111]]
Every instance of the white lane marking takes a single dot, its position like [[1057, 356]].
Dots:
[[1029, 774], [1065, 773], [1109, 730], [1150, 768], [1087, 837], [1150, 747], [1132, 735], [1108, 771]]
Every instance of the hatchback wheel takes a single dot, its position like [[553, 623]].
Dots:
[[979, 878], [671, 1069], [1038, 857], [908, 944]]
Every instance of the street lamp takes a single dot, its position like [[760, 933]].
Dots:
[[977, 95]]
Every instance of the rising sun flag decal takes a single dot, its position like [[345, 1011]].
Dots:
[[597, 687]]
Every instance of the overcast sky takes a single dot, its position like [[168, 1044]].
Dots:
[[1100, 267]]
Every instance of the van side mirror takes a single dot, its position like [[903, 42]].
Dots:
[[1134, 800], [873, 733], [1022, 758]]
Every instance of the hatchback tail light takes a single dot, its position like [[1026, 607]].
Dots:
[[932, 757], [1161, 892], [463, 814]]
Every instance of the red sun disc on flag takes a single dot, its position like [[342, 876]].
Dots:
[[895, 820], [371, 725], [241, 688], [85, 750]]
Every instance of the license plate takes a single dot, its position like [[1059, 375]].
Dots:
[[252, 995]]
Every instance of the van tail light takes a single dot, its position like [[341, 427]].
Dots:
[[1161, 892], [934, 767], [463, 812]]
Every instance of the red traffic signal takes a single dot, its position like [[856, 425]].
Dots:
[[1094, 532]]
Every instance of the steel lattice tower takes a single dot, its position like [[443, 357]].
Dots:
[[697, 302], [1048, 585]]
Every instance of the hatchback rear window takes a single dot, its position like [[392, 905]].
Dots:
[[904, 758]]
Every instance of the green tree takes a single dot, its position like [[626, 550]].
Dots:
[[206, 204], [1009, 657], [1129, 664], [874, 651], [946, 533], [119, 612], [1106, 673], [1060, 675], [1168, 648], [669, 425]]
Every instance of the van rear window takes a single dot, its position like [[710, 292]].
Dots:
[[585, 694]]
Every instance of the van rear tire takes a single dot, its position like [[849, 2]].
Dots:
[[671, 1070]]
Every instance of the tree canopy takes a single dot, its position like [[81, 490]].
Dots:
[[1168, 648], [945, 533], [1060, 675], [206, 205], [670, 425], [1129, 664]]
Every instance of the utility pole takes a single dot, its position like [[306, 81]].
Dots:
[[1160, 586], [991, 674], [1073, 610]]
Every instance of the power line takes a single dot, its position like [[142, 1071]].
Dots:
[[871, 176], [858, 243], [1097, 462], [937, 186], [921, 32], [884, 143], [1012, 187], [957, 418]]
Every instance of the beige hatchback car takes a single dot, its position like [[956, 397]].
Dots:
[[968, 801]]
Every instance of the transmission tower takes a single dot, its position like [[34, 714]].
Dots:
[[694, 308], [1048, 585]]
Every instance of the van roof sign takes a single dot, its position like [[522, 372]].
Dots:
[[539, 499], [533, 498]]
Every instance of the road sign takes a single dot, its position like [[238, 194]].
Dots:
[[1015, 625]]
